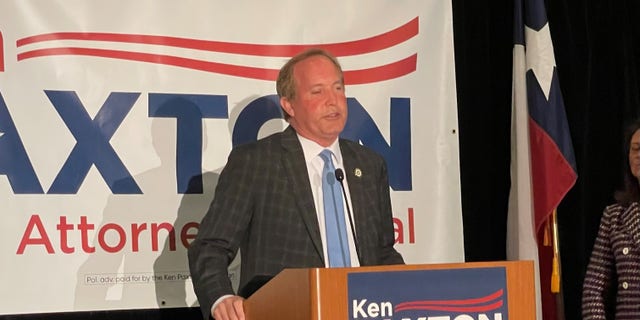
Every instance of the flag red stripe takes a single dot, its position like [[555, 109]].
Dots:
[[551, 174]]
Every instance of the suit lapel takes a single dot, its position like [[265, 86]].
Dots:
[[630, 221], [294, 163], [357, 192]]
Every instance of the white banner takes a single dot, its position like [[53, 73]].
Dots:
[[117, 116]]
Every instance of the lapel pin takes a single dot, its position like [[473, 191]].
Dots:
[[357, 172]]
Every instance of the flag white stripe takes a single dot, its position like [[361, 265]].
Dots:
[[521, 242]]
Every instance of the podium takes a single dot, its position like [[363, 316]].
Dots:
[[399, 292]]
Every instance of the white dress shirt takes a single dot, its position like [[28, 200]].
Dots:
[[314, 168]]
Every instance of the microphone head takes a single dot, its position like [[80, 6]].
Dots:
[[339, 175]]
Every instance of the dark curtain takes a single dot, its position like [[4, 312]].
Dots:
[[596, 46]]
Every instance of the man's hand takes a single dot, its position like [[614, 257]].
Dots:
[[229, 308]]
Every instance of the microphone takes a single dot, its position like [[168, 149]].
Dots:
[[340, 178]]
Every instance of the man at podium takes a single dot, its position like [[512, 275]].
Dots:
[[281, 200]]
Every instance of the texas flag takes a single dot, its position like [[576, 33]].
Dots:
[[543, 166]]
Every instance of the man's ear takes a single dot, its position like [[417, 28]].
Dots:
[[286, 106]]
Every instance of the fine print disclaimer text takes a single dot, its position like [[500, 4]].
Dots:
[[135, 278]]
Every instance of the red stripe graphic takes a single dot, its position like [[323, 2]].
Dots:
[[362, 76], [362, 46], [382, 41], [466, 305], [1, 53], [484, 308], [484, 299]]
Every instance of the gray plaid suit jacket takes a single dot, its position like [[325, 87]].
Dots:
[[263, 205]]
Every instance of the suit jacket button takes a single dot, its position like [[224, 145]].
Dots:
[[625, 251], [625, 285]]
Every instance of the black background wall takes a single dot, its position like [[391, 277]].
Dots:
[[597, 48]]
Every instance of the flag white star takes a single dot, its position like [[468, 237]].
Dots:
[[540, 56], [1, 133]]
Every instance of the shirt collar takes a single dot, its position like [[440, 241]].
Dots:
[[312, 149]]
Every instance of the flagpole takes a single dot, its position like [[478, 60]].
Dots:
[[556, 275], [555, 272]]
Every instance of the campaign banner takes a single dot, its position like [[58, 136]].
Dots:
[[449, 294], [116, 118]]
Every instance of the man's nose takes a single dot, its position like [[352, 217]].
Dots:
[[332, 97]]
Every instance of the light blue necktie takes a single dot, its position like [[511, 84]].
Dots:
[[335, 226]]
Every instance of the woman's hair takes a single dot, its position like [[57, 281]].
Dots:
[[631, 189]]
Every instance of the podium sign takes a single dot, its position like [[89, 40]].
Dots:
[[498, 290], [477, 293]]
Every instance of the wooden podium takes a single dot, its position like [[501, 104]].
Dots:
[[322, 293]]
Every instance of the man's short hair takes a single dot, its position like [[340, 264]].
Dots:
[[285, 84]]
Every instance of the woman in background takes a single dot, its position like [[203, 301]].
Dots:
[[614, 267]]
